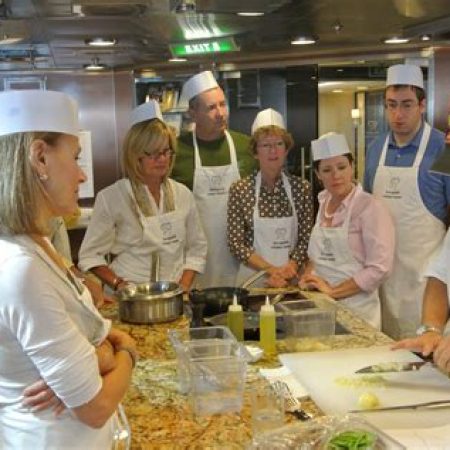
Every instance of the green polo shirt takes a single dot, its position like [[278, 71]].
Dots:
[[212, 153]]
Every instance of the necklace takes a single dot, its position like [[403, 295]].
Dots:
[[325, 213]]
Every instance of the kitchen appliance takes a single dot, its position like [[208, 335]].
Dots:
[[147, 303]]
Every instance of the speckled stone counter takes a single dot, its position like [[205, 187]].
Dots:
[[160, 417]]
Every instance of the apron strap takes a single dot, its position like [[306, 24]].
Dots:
[[420, 152], [231, 146]]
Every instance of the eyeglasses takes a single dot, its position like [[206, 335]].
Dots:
[[405, 106], [280, 145], [167, 153]]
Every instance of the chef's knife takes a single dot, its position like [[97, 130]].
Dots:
[[393, 367], [425, 405]]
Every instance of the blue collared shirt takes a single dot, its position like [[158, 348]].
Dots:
[[434, 188]]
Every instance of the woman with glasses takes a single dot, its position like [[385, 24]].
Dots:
[[146, 222], [270, 213], [351, 249]]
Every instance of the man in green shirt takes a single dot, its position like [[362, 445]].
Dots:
[[209, 159]]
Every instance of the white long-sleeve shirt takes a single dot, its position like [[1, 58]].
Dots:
[[48, 329], [116, 229]]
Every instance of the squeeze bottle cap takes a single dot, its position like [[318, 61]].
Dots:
[[267, 307], [235, 305]]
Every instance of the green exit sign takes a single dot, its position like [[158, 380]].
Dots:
[[203, 47]]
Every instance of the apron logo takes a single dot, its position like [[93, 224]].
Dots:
[[216, 185], [168, 234], [327, 245], [393, 184], [216, 181], [326, 252], [280, 233], [166, 228], [393, 191]]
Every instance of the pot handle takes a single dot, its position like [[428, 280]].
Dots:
[[253, 278]]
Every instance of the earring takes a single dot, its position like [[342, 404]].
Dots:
[[43, 177]]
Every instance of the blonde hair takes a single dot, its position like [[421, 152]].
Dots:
[[267, 131], [22, 194], [143, 139]]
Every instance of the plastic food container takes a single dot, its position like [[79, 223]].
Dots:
[[304, 318], [211, 368], [319, 434]]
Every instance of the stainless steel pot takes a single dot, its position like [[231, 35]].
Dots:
[[161, 301]]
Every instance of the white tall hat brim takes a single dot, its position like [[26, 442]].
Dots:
[[328, 146], [268, 117], [203, 81], [33, 110], [408, 74], [147, 111]]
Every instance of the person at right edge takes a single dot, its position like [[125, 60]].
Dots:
[[209, 160], [397, 171]]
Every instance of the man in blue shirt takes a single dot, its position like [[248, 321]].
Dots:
[[397, 170]]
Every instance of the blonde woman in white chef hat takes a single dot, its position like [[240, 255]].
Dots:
[[352, 243], [147, 220], [270, 213], [49, 327]]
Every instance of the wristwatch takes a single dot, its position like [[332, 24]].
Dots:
[[427, 329]]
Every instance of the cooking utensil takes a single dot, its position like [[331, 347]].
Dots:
[[291, 404], [161, 301], [393, 367], [423, 405], [216, 300]]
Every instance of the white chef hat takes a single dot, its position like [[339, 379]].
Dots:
[[203, 81], [329, 145], [34, 110], [268, 117], [409, 74], [146, 111]]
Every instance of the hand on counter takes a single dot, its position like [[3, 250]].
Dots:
[[425, 344], [39, 397], [309, 281]]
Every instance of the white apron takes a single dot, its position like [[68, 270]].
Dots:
[[418, 235], [273, 237], [166, 234], [210, 189], [333, 260]]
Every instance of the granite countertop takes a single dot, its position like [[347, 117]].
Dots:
[[160, 417]]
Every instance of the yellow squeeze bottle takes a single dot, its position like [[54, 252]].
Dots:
[[235, 319], [267, 328]]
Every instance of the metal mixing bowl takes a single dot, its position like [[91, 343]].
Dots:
[[145, 303]]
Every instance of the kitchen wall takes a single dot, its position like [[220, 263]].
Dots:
[[105, 101], [335, 115]]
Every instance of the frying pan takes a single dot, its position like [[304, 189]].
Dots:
[[213, 301]]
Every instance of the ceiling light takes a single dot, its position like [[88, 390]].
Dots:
[[303, 40], [101, 42], [250, 13], [337, 91], [361, 88], [396, 40], [425, 37], [94, 65], [177, 60]]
